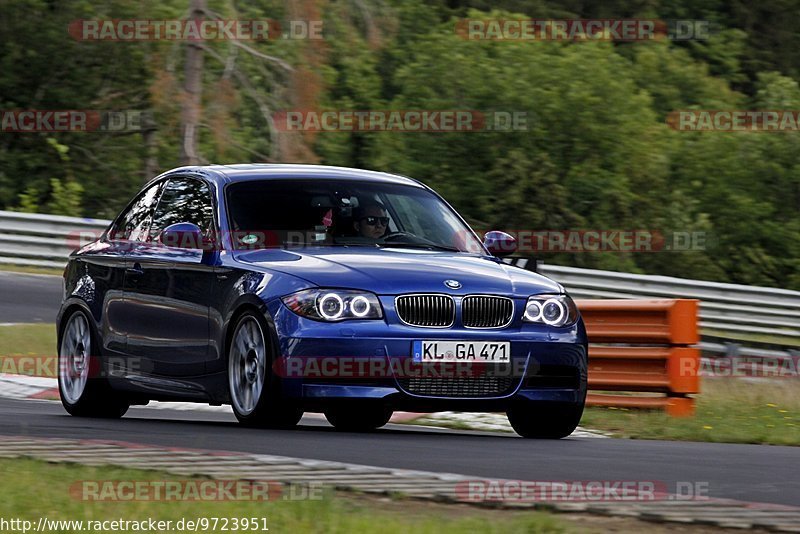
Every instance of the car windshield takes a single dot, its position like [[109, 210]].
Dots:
[[286, 213]]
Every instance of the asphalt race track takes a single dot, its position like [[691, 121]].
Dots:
[[744, 472], [29, 298]]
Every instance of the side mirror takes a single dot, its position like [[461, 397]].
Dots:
[[499, 243], [182, 235]]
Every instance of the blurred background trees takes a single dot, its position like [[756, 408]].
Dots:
[[597, 155]]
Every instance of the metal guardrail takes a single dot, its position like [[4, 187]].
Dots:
[[46, 241], [760, 314], [36, 240], [736, 350], [726, 308]]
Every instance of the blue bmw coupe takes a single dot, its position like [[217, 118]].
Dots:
[[283, 289]]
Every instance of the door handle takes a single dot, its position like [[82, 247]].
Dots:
[[135, 270]]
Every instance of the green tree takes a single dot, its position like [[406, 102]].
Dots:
[[65, 198]]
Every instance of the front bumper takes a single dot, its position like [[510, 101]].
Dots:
[[321, 364]]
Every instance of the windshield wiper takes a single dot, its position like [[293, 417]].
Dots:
[[430, 246]]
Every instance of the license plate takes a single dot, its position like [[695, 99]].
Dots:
[[461, 351]]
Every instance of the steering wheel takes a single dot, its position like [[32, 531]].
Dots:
[[400, 237], [407, 237]]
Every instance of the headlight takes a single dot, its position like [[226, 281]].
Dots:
[[553, 310], [334, 304]]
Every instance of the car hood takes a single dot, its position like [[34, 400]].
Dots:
[[389, 271]]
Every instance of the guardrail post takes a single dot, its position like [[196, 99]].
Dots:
[[732, 350]]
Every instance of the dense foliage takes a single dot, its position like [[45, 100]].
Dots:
[[597, 155]]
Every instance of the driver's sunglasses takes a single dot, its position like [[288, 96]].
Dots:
[[372, 221]]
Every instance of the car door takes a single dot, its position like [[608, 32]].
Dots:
[[168, 290], [106, 261]]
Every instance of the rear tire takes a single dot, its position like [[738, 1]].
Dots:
[[82, 386], [541, 421], [254, 389], [358, 420]]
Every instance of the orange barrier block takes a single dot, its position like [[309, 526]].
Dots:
[[657, 369], [670, 368], [641, 321]]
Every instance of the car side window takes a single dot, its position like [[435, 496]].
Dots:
[[184, 200], [133, 224]]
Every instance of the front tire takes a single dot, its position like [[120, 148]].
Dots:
[[541, 421], [358, 420], [83, 389], [254, 389]]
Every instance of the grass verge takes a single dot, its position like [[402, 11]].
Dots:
[[31, 270], [729, 410], [34, 489], [745, 337], [28, 349]]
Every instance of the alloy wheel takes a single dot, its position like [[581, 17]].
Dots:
[[74, 354], [246, 365]]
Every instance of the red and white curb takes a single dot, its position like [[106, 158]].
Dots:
[[490, 422], [27, 387], [430, 486]]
